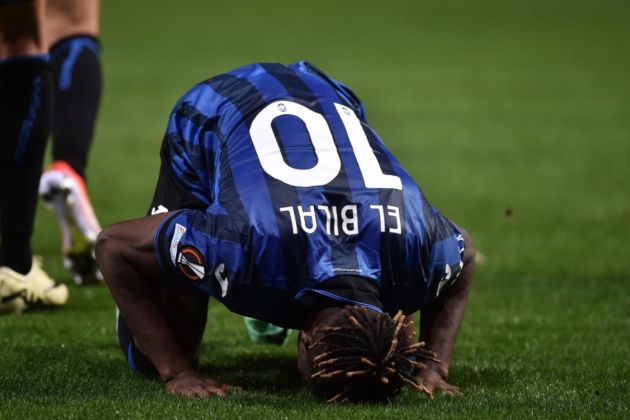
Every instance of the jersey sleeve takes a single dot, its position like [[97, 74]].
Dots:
[[446, 257], [199, 250]]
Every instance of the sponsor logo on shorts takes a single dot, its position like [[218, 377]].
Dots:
[[191, 263], [177, 236]]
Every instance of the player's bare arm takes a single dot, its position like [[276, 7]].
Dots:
[[440, 324], [126, 257]]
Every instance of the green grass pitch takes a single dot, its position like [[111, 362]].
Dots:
[[513, 116]]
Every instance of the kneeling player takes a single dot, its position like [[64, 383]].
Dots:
[[277, 199]]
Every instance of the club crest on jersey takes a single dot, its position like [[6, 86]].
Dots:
[[190, 263]]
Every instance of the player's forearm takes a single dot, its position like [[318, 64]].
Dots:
[[135, 296], [440, 323], [439, 329], [153, 336]]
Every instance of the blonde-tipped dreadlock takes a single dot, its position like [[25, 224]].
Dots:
[[363, 355]]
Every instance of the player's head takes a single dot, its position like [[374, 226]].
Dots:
[[356, 354]]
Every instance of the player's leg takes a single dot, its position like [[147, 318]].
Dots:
[[72, 29], [25, 119]]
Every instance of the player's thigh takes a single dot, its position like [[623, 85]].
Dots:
[[21, 28], [66, 18]]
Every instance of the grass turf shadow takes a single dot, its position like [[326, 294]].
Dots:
[[256, 372]]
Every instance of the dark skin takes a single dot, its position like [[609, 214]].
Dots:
[[21, 29], [126, 257], [440, 324], [168, 327]]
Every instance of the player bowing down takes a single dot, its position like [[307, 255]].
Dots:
[[277, 199]]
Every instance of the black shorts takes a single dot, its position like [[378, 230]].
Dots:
[[170, 194], [5, 2]]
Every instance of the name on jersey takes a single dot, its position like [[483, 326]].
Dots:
[[337, 220]]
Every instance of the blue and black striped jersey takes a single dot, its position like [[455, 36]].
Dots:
[[299, 189]]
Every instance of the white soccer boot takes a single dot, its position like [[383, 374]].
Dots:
[[29, 291], [63, 191]]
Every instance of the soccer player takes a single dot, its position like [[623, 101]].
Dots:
[[44, 88], [276, 198], [26, 101], [72, 28]]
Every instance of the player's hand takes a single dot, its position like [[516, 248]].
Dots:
[[193, 385], [431, 379]]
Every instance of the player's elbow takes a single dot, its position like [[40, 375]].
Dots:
[[466, 277], [108, 249], [101, 247], [470, 253], [464, 281]]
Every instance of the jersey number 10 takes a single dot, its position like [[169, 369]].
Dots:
[[328, 161]]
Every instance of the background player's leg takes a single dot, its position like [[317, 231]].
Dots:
[[25, 110], [72, 28], [25, 118]]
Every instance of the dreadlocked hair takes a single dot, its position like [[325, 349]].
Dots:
[[366, 356]]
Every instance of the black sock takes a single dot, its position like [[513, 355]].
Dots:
[[77, 71], [25, 120]]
